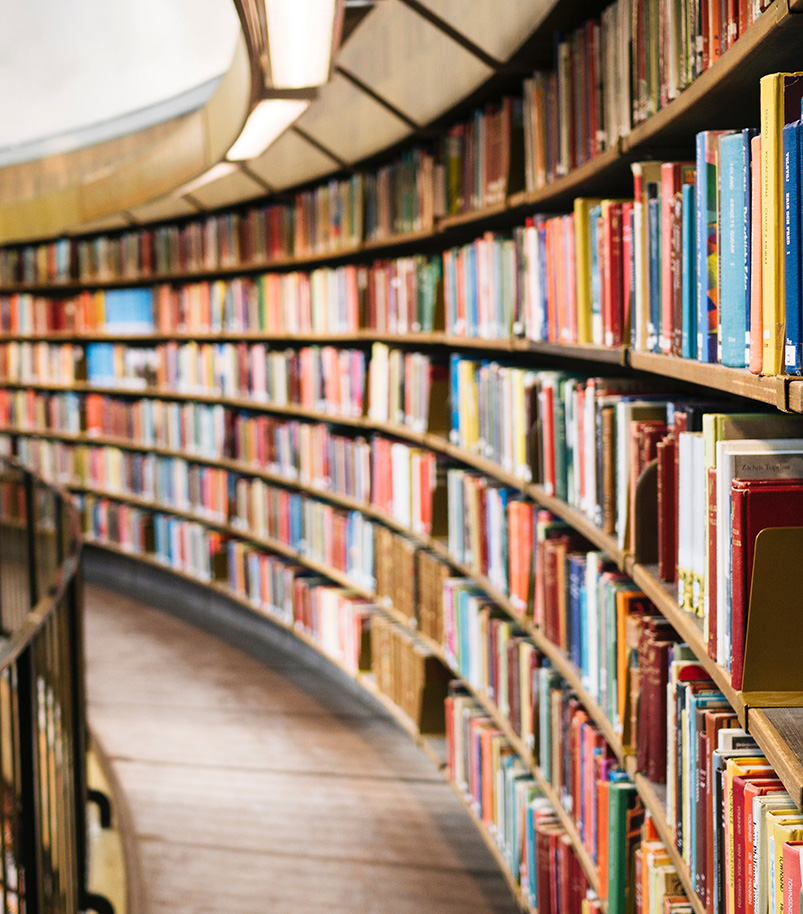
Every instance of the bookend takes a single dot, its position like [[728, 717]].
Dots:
[[773, 654], [645, 516]]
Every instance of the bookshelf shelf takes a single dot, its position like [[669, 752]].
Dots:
[[609, 168], [707, 102], [779, 732], [735, 381], [688, 626], [768, 726]]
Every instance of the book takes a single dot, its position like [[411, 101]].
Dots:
[[792, 272], [756, 505], [781, 94], [734, 255]]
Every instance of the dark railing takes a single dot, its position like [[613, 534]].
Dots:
[[42, 721]]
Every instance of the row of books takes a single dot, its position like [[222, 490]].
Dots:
[[344, 625], [689, 689], [633, 868], [508, 801], [694, 265], [584, 441], [608, 75]]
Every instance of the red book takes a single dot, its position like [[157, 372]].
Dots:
[[667, 509], [673, 176], [544, 830], [627, 277], [756, 505], [612, 295], [754, 789]]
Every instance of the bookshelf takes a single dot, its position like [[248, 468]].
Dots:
[[769, 43]]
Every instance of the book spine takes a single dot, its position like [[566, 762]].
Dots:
[[772, 294], [689, 273], [793, 300], [740, 586]]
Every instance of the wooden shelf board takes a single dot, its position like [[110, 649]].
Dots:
[[611, 355], [479, 216], [404, 238], [779, 733], [610, 166], [736, 381], [688, 626]]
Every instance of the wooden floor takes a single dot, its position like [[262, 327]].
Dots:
[[259, 788]]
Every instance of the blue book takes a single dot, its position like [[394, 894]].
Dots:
[[793, 297], [454, 364], [129, 310], [734, 247], [654, 236], [577, 570], [100, 363], [543, 272], [689, 270], [472, 301]]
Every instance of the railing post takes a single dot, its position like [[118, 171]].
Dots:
[[31, 837], [75, 628], [30, 528]]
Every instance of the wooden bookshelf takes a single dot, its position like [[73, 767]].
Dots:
[[772, 41]]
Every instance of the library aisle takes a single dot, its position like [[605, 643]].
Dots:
[[265, 786]]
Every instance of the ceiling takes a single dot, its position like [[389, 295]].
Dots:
[[78, 72], [107, 117]]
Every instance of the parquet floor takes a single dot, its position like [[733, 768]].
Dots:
[[264, 787]]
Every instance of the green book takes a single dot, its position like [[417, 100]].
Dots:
[[623, 803]]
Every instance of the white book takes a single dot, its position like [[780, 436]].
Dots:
[[750, 458], [699, 522], [762, 805]]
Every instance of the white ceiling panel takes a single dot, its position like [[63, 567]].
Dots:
[[234, 188], [291, 160], [411, 63], [350, 123], [499, 27], [161, 210]]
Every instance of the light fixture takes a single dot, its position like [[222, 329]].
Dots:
[[213, 174], [300, 40], [265, 123]]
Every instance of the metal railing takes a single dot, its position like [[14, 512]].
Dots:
[[43, 789]]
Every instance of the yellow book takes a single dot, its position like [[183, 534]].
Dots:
[[779, 92], [582, 260]]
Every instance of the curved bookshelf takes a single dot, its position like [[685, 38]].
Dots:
[[773, 37], [652, 795]]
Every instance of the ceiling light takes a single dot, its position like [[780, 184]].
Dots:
[[221, 170], [300, 38], [265, 123]]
